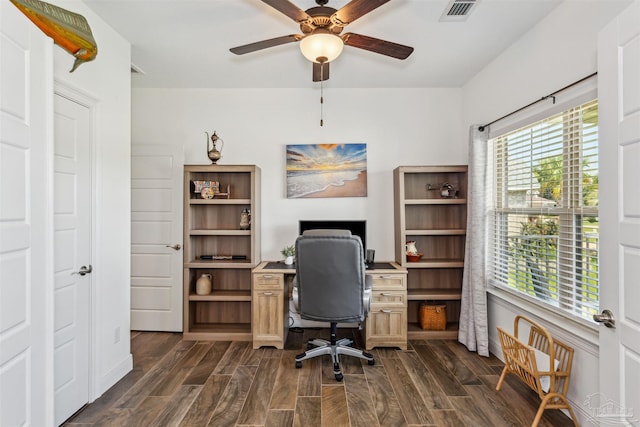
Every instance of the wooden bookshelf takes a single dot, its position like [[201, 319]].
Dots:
[[212, 227], [438, 226]]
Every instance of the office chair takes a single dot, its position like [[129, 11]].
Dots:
[[331, 286]]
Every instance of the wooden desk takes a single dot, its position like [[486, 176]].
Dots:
[[386, 325]]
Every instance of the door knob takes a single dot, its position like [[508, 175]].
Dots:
[[175, 247], [605, 317], [84, 270]]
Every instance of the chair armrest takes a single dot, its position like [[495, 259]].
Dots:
[[366, 297], [294, 293], [368, 282]]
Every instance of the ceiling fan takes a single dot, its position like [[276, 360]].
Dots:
[[321, 40]]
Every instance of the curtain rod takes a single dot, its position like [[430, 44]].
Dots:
[[551, 95]]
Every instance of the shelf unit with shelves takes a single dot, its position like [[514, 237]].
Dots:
[[437, 225], [215, 244]]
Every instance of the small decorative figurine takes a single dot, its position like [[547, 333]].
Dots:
[[412, 251], [245, 219], [448, 191], [410, 248]]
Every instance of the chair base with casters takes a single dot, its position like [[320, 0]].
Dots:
[[334, 347]]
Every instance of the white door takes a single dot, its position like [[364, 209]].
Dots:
[[619, 102], [25, 231], [156, 238], [72, 255]]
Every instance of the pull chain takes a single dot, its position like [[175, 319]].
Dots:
[[321, 93]]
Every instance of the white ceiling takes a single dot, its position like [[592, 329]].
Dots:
[[185, 43]]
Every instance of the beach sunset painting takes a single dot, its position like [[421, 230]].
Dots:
[[326, 170]]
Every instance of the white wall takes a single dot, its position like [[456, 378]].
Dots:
[[399, 126], [558, 51], [107, 80]]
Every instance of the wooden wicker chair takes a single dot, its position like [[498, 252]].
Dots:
[[544, 364]]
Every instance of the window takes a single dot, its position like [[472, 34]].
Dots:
[[543, 229]]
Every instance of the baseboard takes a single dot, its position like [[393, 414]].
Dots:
[[115, 374], [495, 348]]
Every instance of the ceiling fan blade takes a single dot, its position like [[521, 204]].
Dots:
[[354, 10], [320, 71], [372, 44], [289, 9], [264, 44]]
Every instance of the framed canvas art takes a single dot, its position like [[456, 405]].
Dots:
[[326, 170]]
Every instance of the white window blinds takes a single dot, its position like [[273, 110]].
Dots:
[[543, 230]]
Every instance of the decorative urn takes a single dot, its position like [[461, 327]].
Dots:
[[215, 152]]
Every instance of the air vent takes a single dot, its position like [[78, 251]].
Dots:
[[458, 10]]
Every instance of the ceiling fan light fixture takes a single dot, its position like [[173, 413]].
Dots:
[[321, 46]]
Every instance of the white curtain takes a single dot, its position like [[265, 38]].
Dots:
[[473, 331]]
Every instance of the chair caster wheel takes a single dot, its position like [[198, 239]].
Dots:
[[371, 362], [298, 365], [339, 377]]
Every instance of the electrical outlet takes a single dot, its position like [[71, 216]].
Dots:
[[116, 335]]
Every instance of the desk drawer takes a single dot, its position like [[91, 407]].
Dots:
[[389, 298], [268, 281], [389, 281]]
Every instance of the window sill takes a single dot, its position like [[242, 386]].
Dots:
[[579, 328]]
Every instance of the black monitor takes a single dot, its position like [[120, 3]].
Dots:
[[356, 227]]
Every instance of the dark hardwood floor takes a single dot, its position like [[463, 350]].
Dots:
[[223, 383]]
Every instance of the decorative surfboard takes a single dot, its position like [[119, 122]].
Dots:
[[69, 30]]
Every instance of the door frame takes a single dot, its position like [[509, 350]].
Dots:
[[80, 97]]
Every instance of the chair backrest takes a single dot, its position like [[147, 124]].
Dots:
[[330, 274]]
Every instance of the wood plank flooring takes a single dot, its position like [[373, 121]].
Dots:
[[222, 383]]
